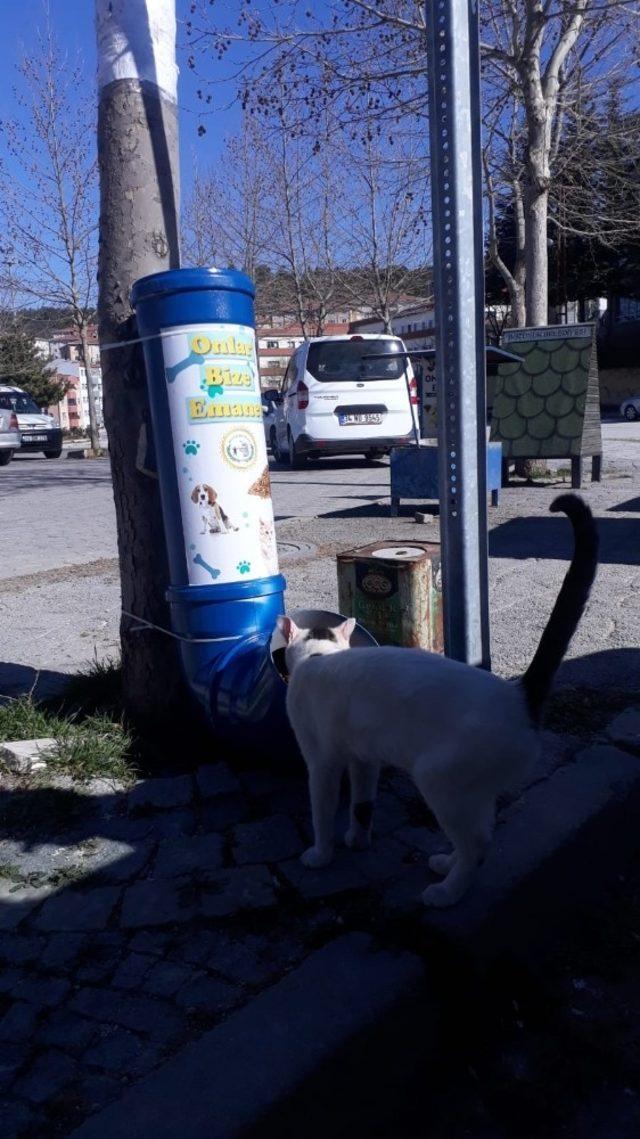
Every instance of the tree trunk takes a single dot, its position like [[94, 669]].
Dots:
[[94, 432], [138, 155], [537, 256]]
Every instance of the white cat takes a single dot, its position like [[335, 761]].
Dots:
[[464, 734]]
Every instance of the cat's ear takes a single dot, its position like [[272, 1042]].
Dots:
[[288, 628], [345, 630]]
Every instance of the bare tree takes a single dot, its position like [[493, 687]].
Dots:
[[541, 57], [49, 204], [538, 55], [225, 220], [385, 225]]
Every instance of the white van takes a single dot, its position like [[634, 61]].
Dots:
[[344, 395]]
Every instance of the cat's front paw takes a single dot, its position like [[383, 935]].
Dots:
[[315, 859], [441, 863], [357, 839]]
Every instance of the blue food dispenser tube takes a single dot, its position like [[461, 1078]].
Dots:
[[197, 328]]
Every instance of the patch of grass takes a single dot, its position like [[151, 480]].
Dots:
[[87, 746], [97, 689]]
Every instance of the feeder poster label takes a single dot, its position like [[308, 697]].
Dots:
[[220, 452]]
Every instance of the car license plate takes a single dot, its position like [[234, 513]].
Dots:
[[34, 438], [347, 420]]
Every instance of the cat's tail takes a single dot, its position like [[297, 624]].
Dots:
[[569, 605]]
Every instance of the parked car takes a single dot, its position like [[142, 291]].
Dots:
[[9, 435], [630, 408], [270, 399], [344, 395], [39, 430]]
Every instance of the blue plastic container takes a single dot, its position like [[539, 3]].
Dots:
[[197, 327]]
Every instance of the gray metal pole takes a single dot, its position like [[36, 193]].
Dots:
[[456, 190]]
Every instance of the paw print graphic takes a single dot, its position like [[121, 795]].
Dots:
[[212, 390], [243, 567], [191, 447]]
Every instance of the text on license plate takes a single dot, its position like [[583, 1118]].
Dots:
[[370, 417], [34, 438]]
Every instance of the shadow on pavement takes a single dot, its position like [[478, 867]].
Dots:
[[615, 669], [632, 505], [552, 538], [19, 679]]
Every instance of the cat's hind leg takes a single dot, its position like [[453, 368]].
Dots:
[[467, 820], [364, 784], [324, 791]]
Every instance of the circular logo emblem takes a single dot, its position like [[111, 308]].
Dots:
[[377, 584], [239, 448]]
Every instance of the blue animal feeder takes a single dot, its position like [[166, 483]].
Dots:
[[414, 473], [225, 593]]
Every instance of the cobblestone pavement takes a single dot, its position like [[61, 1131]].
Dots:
[[131, 921]]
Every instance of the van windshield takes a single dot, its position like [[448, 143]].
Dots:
[[351, 360], [18, 402]]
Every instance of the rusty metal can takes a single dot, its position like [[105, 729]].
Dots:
[[395, 591]]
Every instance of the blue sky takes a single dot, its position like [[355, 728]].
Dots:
[[73, 26]]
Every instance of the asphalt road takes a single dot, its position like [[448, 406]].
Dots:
[[59, 587]]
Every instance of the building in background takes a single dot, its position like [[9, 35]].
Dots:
[[73, 409], [63, 350], [276, 346]]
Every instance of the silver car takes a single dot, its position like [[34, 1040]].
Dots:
[[630, 408], [10, 437]]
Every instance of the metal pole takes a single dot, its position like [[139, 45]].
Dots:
[[456, 190]]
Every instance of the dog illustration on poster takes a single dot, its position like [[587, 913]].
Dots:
[[213, 518]]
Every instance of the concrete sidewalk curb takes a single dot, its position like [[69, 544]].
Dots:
[[265, 1053]]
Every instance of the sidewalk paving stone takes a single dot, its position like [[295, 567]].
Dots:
[[16, 903], [231, 891], [269, 840], [158, 902], [18, 1119], [118, 861], [62, 949], [166, 977], [12, 1058], [251, 960], [19, 1021], [117, 1051], [79, 909], [67, 1030], [131, 972], [224, 811], [216, 779], [150, 941], [47, 991], [178, 856], [150, 1015], [207, 994], [163, 794], [48, 1075], [21, 948], [11, 978], [173, 824], [343, 874]]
